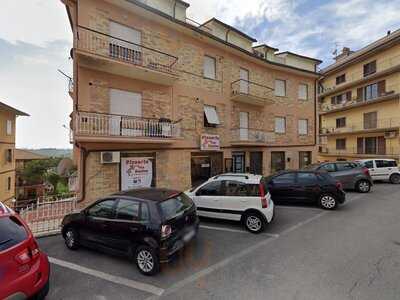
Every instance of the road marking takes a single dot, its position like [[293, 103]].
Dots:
[[111, 278], [297, 207], [235, 230], [179, 285]]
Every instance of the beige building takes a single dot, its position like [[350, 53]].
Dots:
[[8, 116], [161, 100], [359, 101]]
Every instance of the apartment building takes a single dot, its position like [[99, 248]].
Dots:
[[359, 102], [8, 116], [160, 100]]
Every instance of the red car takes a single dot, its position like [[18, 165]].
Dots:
[[24, 269]]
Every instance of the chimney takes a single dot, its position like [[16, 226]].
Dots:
[[345, 52]]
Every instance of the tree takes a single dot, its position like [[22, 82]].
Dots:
[[35, 171]]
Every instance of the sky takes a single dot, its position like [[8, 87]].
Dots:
[[35, 42]]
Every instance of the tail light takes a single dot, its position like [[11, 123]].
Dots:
[[264, 202], [166, 231], [339, 185], [365, 171], [29, 254]]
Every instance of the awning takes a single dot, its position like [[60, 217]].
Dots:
[[211, 115]]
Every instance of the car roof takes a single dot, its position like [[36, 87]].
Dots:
[[387, 159], [5, 210], [152, 194], [242, 177]]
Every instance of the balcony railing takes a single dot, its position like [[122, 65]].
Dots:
[[112, 47], [246, 135], [353, 152], [362, 126], [251, 92], [107, 125]]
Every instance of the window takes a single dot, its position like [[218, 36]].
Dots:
[[254, 190], [288, 178], [9, 157], [385, 163], [340, 122], [340, 144], [127, 210], [209, 67], [371, 120], [328, 167], [370, 68], [9, 127], [341, 79], [370, 145], [280, 125], [9, 184], [303, 92], [303, 127], [280, 88], [304, 159], [345, 166], [306, 178], [103, 209], [368, 164], [211, 189], [210, 116], [175, 206], [277, 161], [371, 92], [235, 188], [12, 232]]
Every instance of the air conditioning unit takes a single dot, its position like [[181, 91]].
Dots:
[[390, 134], [110, 157]]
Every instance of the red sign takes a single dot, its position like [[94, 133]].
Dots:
[[209, 142]]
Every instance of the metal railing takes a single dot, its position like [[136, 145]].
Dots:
[[391, 151], [108, 46], [96, 124], [361, 126], [246, 87], [252, 135]]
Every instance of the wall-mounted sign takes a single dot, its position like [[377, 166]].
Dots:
[[209, 142], [136, 173]]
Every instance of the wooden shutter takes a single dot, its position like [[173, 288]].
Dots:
[[360, 145], [360, 94], [333, 100], [381, 145], [348, 96], [370, 120], [381, 88]]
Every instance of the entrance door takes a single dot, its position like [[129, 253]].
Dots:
[[277, 161], [256, 163], [244, 125], [238, 162], [201, 169], [126, 44], [304, 159], [244, 81], [123, 103]]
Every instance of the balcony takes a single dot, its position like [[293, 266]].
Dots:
[[251, 137], [353, 153], [363, 127], [248, 92], [103, 52], [95, 127]]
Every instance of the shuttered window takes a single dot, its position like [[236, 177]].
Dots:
[[371, 120], [9, 127], [280, 88], [210, 116], [280, 125], [340, 122], [340, 144], [371, 91], [370, 68], [303, 91], [303, 127], [341, 79], [209, 67]]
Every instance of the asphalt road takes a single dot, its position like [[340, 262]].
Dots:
[[307, 253]]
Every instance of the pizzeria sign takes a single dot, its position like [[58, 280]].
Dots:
[[209, 142]]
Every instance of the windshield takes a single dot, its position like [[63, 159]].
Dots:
[[12, 232], [175, 206]]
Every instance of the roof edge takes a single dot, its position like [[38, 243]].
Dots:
[[16, 111], [302, 56]]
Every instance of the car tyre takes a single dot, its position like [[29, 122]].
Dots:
[[147, 260], [254, 222], [328, 202], [71, 238], [363, 186], [395, 178], [43, 292]]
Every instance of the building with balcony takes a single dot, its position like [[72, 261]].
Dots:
[[161, 100], [8, 116], [359, 102]]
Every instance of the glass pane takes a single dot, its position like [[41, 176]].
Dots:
[[211, 189], [328, 167], [127, 210], [306, 178], [12, 232], [285, 178], [175, 206], [234, 188], [102, 210]]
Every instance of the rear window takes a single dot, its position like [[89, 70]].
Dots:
[[175, 206], [12, 232]]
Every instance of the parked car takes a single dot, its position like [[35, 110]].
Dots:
[[24, 268], [149, 225], [239, 197], [352, 175], [382, 169], [306, 187]]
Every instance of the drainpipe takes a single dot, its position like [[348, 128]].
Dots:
[[82, 177], [175, 9]]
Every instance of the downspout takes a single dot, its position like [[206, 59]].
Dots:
[[82, 177], [174, 9]]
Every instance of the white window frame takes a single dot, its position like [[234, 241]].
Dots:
[[209, 62], [9, 127], [278, 125], [278, 92], [211, 115], [300, 125], [303, 93]]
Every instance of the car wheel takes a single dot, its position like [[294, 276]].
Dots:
[[43, 292], [254, 222], [327, 201], [147, 260], [395, 178], [363, 186], [71, 238]]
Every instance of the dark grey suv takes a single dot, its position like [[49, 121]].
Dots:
[[351, 174]]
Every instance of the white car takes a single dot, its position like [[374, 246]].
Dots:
[[382, 169], [239, 197]]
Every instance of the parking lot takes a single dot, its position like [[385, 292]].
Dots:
[[87, 274]]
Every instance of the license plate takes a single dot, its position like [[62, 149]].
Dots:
[[188, 236]]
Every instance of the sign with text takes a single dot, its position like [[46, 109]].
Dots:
[[209, 142], [136, 173]]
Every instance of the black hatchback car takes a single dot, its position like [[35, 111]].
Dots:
[[149, 225], [306, 187]]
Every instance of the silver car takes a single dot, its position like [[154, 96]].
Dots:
[[351, 174]]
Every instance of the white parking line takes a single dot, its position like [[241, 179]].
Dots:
[[111, 278], [235, 230]]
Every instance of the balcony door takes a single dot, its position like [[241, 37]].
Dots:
[[124, 106], [244, 125], [125, 43], [244, 81]]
